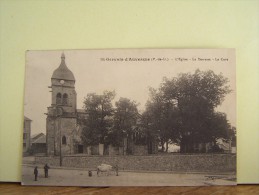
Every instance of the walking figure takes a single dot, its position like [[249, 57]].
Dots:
[[36, 173], [46, 170]]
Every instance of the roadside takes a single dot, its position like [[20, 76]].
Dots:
[[80, 177]]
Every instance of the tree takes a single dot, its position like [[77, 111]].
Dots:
[[98, 122], [160, 119], [182, 110], [233, 136], [125, 120], [196, 97]]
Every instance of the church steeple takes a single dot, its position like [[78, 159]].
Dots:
[[63, 55], [63, 58], [63, 87], [62, 115], [62, 72]]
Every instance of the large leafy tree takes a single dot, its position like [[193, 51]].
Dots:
[[160, 119], [196, 96], [182, 110], [124, 121], [98, 122]]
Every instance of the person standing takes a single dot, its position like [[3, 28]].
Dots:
[[46, 170], [36, 173]]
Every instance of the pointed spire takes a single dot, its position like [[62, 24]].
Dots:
[[63, 55], [63, 58], [62, 72]]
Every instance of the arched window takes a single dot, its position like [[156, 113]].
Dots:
[[65, 99], [58, 98], [64, 140]]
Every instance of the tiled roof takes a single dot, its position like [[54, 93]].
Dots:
[[39, 140], [35, 136]]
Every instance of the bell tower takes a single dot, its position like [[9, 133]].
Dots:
[[61, 117], [63, 88]]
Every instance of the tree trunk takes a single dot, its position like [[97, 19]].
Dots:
[[163, 145], [166, 147]]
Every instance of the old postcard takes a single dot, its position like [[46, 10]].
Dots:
[[130, 117]]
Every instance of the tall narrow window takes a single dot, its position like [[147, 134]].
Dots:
[[58, 98], [64, 140], [65, 99]]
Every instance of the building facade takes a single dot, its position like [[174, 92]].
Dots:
[[38, 143], [26, 134]]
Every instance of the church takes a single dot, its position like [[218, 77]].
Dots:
[[61, 124], [63, 130]]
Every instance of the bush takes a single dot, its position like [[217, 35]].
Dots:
[[216, 148]]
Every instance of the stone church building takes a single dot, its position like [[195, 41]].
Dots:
[[62, 114], [62, 127]]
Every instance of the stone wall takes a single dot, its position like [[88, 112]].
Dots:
[[172, 162], [140, 150]]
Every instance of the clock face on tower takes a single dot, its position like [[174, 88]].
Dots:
[[62, 82]]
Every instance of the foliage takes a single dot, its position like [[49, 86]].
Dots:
[[124, 120], [99, 117], [105, 124], [233, 137], [182, 110], [160, 119]]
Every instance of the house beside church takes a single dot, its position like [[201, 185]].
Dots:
[[26, 134], [38, 143]]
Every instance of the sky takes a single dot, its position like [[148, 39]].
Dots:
[[99, 70]]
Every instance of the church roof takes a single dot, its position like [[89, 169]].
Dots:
[[62, 72]]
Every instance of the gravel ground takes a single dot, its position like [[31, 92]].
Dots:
[[79, 177]]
